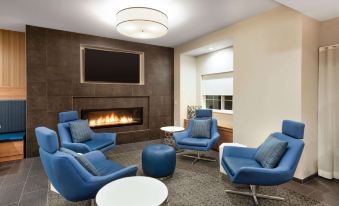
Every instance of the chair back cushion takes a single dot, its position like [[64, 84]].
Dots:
[[47, 139], [64, 133], [68, 116], [203, 113], [201, 128], [270, 152], [293, 153], [80, 131], [293, 129], [82, 160]]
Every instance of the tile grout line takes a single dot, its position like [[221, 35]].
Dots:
[[23, 188]]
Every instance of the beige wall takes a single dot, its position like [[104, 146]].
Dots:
[[329, 32], [188, 86], [267, 75], [265, 84], [310, 45], [271, 74]]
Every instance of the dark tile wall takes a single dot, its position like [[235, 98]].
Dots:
[[53, 80]]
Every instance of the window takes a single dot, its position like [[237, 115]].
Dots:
[[228, 102], [217, 91], [213, 102], [219, 102]]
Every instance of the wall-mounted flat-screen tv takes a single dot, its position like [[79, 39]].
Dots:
[[111, 66]]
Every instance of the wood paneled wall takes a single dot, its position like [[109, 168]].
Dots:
[[12, 65]]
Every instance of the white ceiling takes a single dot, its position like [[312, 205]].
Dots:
[[210, 48], [188, 19], [318, 9]]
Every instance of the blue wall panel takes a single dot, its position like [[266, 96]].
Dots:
[[12, 116]]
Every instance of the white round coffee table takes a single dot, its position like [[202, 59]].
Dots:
[[167, 136], [133, 191]]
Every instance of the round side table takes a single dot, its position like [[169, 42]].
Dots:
[[167, 134], [133, 191]]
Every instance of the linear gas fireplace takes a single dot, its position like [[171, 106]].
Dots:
[[115, 117]]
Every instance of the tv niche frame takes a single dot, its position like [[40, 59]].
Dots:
[[82, 64]]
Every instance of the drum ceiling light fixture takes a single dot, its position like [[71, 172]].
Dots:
[[142, 22]]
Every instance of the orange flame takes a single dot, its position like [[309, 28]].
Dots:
[[110, 119]]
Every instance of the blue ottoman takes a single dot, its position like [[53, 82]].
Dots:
[[158, 160]]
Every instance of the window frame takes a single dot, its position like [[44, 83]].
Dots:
[[226, 111]]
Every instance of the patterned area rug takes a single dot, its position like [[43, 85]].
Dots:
[[200, 185]]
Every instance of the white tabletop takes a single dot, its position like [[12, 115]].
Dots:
[[133, 191], [172, 129]]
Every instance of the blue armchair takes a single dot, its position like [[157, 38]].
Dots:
[[184, 139], [68, 176], [98, 141], [242, 168]]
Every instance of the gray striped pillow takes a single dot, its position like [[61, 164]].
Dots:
[[82, 160], [80, 131], [201, 128], [270, 152]]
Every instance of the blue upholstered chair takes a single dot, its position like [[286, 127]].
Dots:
[[242, 168], [68, 176], [184, 139], [98, 141]]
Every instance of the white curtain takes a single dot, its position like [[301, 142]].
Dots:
[[328, 113]]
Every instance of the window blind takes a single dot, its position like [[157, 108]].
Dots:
[[217, 84]]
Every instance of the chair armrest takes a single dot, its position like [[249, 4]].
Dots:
[[214, 139], [262, 176], [125, 172], [234, 151], [107, 136], [77, 147], [95, 156], [180, 135]]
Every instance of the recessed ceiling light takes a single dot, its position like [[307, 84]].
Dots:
[[211, 48], [142, 22]]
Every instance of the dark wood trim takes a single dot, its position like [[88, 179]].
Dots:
[[302, 181]]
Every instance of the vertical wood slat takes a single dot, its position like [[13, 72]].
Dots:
[[12, 64], [12, 59]]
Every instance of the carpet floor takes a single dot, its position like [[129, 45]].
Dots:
[[199, 185]]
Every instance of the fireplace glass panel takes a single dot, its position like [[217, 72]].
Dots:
[[113, 117]]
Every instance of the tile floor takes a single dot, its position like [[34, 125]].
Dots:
[[24, 182]]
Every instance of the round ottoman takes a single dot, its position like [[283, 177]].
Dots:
[[158, 160]]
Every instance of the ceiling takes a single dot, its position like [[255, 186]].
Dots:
[[318, 9], [188, 19]]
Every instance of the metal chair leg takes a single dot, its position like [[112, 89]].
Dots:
[[254, 194], [197, 157]]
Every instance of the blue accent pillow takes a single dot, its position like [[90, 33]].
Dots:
[[82, 160], [270, 152], [201, 128], [80, 131]]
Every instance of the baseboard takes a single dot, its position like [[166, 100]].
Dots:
[[302, 181], [328, 175], [11, 158]]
